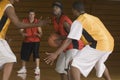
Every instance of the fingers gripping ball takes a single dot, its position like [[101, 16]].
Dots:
[[54, 40]]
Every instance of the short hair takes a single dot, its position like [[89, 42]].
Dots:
[[58, 4], [31, 10], [79, 6]]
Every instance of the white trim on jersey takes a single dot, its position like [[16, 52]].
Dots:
[[8, 6], [76, 30]]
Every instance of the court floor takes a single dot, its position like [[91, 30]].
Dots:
[[48, 73]]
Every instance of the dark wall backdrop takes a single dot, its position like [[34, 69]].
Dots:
[[107, 10]]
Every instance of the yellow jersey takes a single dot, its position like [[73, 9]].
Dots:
[[95, 34], [4, 20]]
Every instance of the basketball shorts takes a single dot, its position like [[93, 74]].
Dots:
[[6, 54], [88, 58], [28, 48], [64, 59]]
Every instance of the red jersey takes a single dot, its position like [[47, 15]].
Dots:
[[31, 37], [61, 30]]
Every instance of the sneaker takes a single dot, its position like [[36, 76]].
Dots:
[[22, 71], [23, 76], [37, 71], [37, 77]]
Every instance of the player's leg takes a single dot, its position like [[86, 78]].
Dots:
[[7, 58], [37, 61], [75, 73], [84, 62], [37, 69], [68, 74], [60, 66], [23, 69], [63, 76], [7, 71], [36, 56], [25, 54], [101, 69], [23, 64], [106, 74], [68, 58]]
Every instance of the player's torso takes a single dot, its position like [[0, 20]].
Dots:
[[4, 21], [95, 33], [59, 27], [31, 32]]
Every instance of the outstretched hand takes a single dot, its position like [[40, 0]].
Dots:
[[44, 22], [50, 58]]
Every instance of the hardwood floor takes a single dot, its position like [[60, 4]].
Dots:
[[48, 72]]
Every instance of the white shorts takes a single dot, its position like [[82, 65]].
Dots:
[[64, 59], [88, 58], [6, 55]]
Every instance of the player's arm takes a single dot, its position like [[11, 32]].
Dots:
[[52, 56], [39, 34], [8, 39], [67, 41], [10, 11], [66, 26], [75, 33], [23, 33]]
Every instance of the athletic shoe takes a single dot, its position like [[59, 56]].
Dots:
[[37, 71], [37, 77], [23, 76], [22, 71]]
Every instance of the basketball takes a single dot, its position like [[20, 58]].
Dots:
[[54, 40]]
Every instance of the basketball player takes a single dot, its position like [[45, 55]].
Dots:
[[62, 26], [30, 43], [7, 14], [99, 45]]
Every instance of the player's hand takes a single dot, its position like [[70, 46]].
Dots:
[[37, 35], [50, 58], [9, 40], [24, 35], [44, 22]]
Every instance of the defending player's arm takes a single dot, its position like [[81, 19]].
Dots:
[[52, 56], [66, 26], [10, 11]]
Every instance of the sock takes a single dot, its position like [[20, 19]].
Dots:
[[37, 67], [24, 67]]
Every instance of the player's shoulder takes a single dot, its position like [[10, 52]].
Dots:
[[67, 19], [65, 16], [36, 19], [5, 3], [25, 20]]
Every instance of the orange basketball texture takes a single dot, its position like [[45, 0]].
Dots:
[[54, 40]]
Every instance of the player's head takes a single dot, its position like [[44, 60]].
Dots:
[[78, 8], [57, 8], [13, 1], [31, 14]]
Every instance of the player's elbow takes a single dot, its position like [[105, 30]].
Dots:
[[68, 40], [18, 24]]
